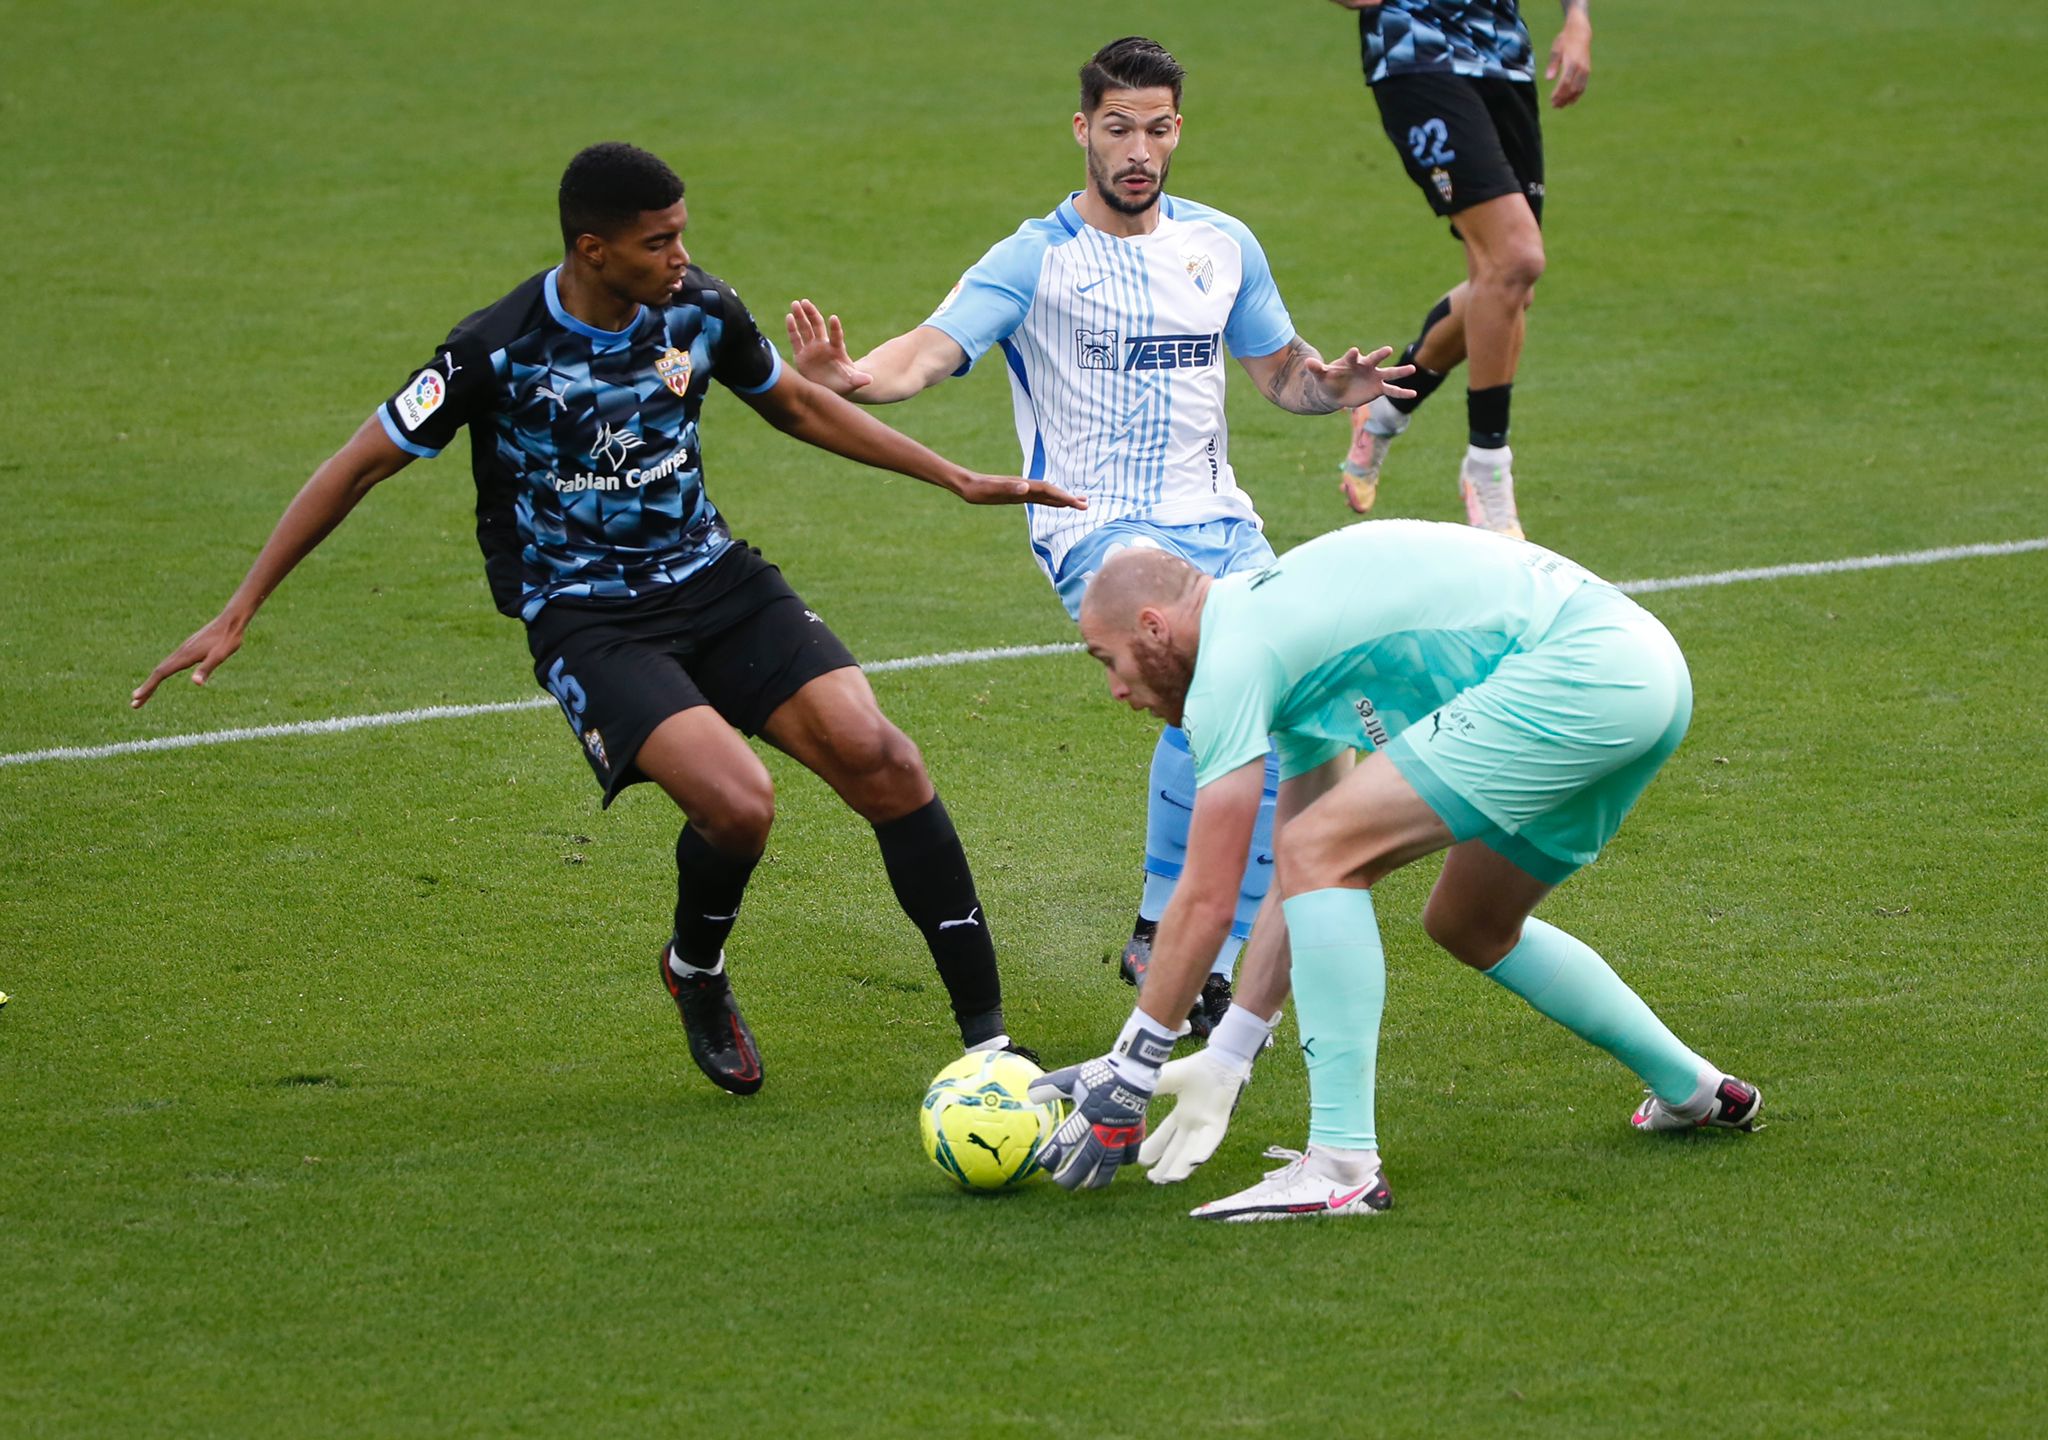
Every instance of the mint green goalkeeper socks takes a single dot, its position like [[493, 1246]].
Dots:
[[1567, 980], [1340, 988]]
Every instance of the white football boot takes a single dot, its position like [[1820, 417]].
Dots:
[[1305, 1188], [1487, 484], [1734, 1105]]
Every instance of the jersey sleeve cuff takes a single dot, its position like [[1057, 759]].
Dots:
[[410, 447], [1254, 350], [1299, 759], [965, 342], [774, 374]]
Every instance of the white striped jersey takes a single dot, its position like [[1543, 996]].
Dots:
[[1115, 347]]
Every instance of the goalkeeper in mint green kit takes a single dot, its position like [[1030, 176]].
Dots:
[[1513, 705]]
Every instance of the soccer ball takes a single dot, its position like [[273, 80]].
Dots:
[[979, 1126]]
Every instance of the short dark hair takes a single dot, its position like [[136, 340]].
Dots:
[[607, 186], [1132, 63]]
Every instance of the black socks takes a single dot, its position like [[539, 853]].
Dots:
[[709, 883], [928, 870], [1424, 381], [1486, 411]]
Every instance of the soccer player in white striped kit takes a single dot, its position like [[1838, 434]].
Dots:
[[1113, 314]]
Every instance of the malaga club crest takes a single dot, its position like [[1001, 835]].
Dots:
[[673, 366], [1201, 269], [1441, 178], [594, 743]]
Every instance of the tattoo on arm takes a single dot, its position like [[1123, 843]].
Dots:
[[1292, 387]]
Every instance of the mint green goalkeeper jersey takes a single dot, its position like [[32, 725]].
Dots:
[[1349, 639]]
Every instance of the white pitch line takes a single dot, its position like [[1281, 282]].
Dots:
[[1834, 567], [334, 726], [340, 723], [969, 657]]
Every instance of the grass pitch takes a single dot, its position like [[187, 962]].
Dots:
[[339, 1096]]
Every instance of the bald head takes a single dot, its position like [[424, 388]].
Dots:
[[1142, 618], [1131, 580]]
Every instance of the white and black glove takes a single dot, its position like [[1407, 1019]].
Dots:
[[1208, 1085]]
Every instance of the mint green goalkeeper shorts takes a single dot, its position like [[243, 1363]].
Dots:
[[1542, 759]]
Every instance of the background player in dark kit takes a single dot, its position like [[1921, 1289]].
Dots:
[[661, 636], [1455, 84]]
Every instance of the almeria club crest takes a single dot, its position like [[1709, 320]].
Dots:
[[673, 366]]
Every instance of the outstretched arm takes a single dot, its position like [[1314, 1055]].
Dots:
[[894, 370], [815, 415], [1294, 377], [334, 489]]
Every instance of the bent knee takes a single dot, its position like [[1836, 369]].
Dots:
[[1516, 267], [872, 746], [1305, 859], [737, 818], [876, 767]]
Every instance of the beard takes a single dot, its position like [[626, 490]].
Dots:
[[1106, 188], [1166, 673]]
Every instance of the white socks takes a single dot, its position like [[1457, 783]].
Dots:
[[685, 971]]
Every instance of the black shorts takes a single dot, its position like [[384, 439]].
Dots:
[[734, 637], [1465, 141]]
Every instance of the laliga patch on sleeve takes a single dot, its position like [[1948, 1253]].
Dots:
[[951, 295], [420, 399]]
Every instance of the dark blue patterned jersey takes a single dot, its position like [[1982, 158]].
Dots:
[[583, 442], [1445, 37]]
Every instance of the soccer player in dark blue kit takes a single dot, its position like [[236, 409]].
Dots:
[[662, 637], [1455, 84]]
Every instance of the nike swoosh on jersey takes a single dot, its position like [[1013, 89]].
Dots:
[[1084, 289]]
